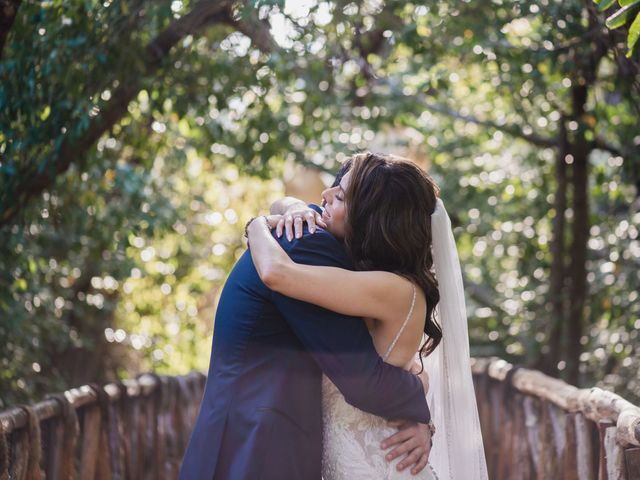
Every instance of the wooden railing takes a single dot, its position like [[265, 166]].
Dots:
[[534, 427], [538, 427], [135, 429]]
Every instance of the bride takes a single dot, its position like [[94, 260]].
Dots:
[[397, 232]]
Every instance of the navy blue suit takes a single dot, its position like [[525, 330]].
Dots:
[[261, 416]]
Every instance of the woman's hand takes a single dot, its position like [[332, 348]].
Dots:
[[293, 219]]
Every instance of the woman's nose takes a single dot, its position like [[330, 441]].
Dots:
[[325, 195]]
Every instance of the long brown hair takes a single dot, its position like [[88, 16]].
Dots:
[[389, 202]]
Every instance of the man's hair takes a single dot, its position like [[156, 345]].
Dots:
[[342, 172]]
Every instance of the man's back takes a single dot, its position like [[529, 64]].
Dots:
[[261, 415]]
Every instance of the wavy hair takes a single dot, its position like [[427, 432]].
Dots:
[[389, 202]]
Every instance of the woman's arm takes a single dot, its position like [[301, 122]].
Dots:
[[375, 294]]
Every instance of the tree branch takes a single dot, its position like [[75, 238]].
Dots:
[[8, 12], [254, 28], [481, 295], [513, 130], [601, 144], [32, 179]]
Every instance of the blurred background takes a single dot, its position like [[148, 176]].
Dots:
[[137, 138]]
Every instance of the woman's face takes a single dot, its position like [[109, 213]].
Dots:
[[334, 208]]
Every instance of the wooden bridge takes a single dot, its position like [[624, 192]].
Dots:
[[534, 427]]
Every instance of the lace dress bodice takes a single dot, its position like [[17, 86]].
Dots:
[[352, 437]]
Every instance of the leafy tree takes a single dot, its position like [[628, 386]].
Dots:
[[136, 137]]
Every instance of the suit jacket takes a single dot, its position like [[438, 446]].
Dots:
[[261, 414]]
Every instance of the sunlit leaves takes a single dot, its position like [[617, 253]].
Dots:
[[604, 5], [125, 255], [628, 13], [622, 16], [634, 34]]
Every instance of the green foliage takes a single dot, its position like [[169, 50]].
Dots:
[[66, 262], [116, 267], [629, 13]]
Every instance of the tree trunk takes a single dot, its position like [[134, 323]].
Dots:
[[580, 233], [8, 12], [557, 281], [580, 148]]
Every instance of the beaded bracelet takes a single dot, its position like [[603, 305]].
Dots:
[[432, 427], [246, 227]]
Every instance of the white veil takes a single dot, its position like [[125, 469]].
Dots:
[[458, 451]]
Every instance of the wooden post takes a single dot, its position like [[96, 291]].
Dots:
[[52, 432], [497, 406], [602, 465], [4, 455], [587, 460], [522, 466], [570, 457], [532, 418], [557, 423], [137, 438], [175, 425], [548, 460], [613, 455], [28, 449], [632, 462], [103, 463], [63, 435], [117, 441], [484, 410], [134, 435], [505, 435], [90, 421], [160, 404]]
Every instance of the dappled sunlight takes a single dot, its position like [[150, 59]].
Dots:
[[117, 236]]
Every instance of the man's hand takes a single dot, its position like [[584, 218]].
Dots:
[[414, 440]]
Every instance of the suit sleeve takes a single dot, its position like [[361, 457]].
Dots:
[[343, 348]]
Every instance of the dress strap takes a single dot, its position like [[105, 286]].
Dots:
[[404, 324]]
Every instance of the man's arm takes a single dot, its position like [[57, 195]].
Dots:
[[343, 348]]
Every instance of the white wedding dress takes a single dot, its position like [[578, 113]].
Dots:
[[352, 440], [352, 437]]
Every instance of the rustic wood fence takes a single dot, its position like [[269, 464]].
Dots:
[[534, 427], [538, 427], [135, 429]]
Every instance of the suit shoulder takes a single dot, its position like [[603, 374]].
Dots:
[[320, 237], [319, 248]]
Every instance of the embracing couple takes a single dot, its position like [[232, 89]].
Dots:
[[318, 333]]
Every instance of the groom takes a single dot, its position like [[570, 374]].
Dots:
[[261, 414]]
